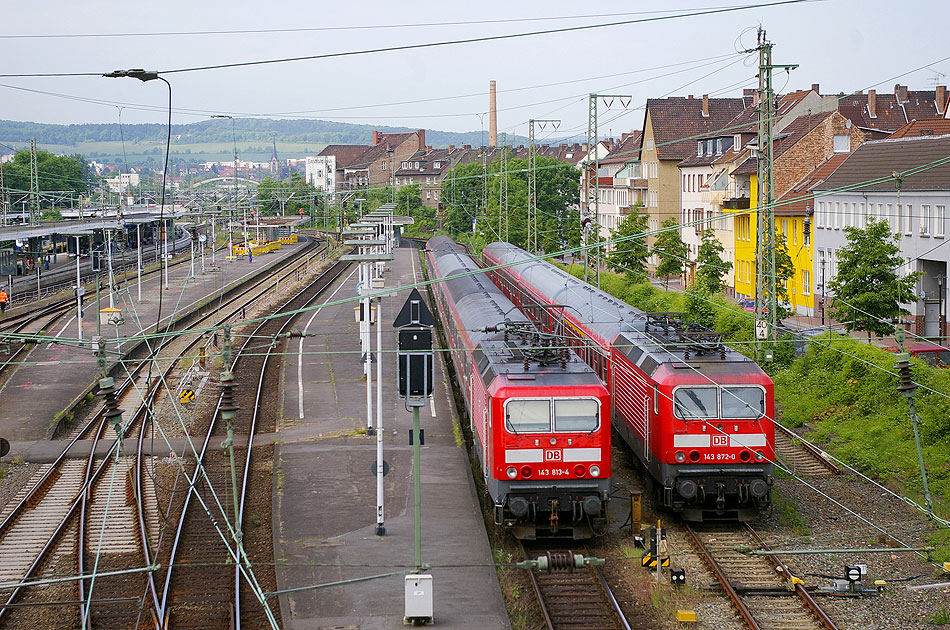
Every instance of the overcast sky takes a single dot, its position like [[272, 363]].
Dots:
[[842, 45]]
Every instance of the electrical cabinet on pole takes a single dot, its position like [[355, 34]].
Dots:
[[766, 302], [533, 182]]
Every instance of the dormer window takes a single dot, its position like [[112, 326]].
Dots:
[[719, 146], [737, 142], [699, 148]]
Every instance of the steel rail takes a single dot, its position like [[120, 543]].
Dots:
[[176, 543], [98, 421], [723, 579], [326, 279], [814, 451], [805, 596]]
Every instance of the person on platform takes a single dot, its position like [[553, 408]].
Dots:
[[3, 301], [250, 256]]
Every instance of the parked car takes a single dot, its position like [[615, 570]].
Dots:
[[931, 354]]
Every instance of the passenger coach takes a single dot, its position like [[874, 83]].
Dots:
[[538, 413], [696, 413]]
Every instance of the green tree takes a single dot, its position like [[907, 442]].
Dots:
[[710, 267], [673, 252], [290, 195], [630, 251], [867, 291], [784, 271]]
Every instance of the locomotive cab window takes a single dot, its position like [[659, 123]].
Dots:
[[695, 402], [528, 416], [743, 402], [577, 416]]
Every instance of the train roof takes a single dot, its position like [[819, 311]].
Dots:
[[647, 339], [480, 305]]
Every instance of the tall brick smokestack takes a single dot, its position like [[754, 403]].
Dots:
[[492, 116]]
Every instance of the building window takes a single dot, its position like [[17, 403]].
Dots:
[[428, 194], [909, 219], [925, 220], [648, 144], [736, 142], [437, 195], [820, 215], [940, 216], [890, 218], [699, 148], [842, 143], [806, 282], [837, 213]]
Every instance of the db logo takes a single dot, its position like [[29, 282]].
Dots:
[[552, 455], [720, 440]]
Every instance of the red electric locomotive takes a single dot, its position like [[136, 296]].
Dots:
[[696, 413], [537, 412]]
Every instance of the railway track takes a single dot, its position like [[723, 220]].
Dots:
[[760, 588], [63, 509], [230, 596], [799, 457], [575, 598]]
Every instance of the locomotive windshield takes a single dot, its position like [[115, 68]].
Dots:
[[570, 415], [528, 416], [695, 402], [743, 402], [578, 416], [732, 402]]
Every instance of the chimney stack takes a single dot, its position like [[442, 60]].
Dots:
[[492, 116], [941, 99], [872, 103], [900, 91], [375, 137], [705, 106], [814, 88]]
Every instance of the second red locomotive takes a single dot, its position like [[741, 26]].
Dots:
[[696, 413], [538, 414]]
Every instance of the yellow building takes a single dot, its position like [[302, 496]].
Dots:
[[790, 217]]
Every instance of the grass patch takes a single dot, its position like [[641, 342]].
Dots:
[[842, 390], [941, 617]]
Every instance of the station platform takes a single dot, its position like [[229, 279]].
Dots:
[[325, 486], [34, 397]]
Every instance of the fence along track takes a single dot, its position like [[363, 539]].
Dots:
[[47, 505], [757, 585]]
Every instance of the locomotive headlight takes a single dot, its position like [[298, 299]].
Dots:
[[595, 471], [759, 456], [512, 472], [680, 456]]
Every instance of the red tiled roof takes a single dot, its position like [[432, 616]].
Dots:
[[677, 121], [799, 196], [930, 127], [891, 114], [346, 154], [796, 130], [878, 159], [628, 149]]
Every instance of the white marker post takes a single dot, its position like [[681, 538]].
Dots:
[[365, 287], [138, 245], [78, 293]]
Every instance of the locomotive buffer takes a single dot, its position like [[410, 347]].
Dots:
[[415, 357]]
